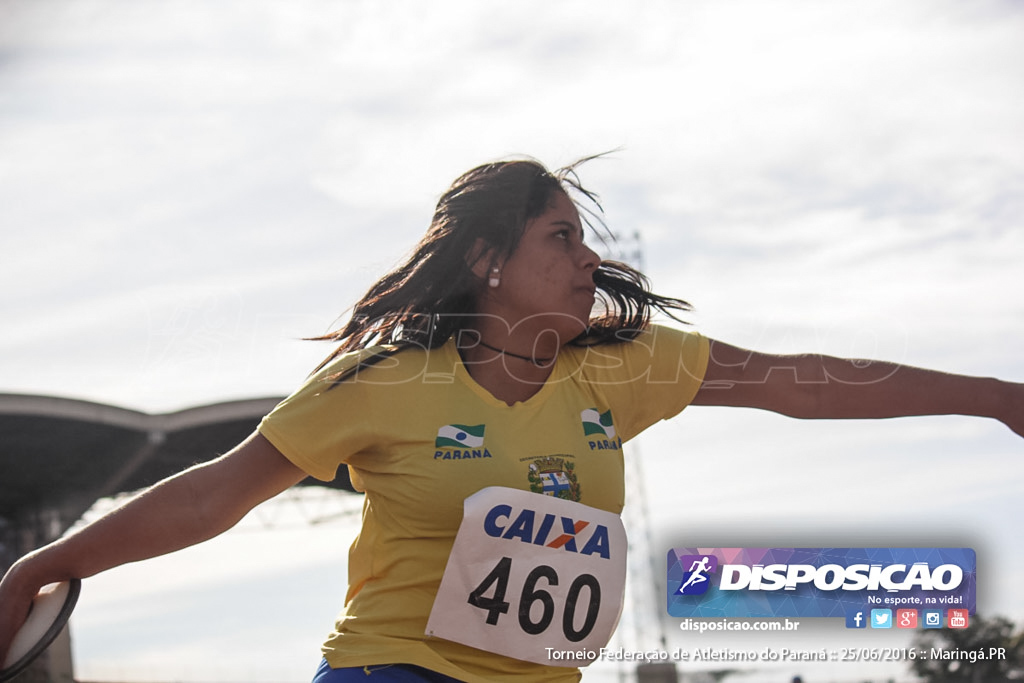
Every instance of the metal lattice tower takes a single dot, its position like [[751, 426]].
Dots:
[[637, 630]]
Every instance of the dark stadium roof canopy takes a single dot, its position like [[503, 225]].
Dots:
[[65, 453]]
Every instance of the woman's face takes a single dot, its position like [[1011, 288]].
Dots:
[[547, 283]]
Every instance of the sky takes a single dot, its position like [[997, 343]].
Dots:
[[187, 189]]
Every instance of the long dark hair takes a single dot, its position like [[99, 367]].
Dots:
[[428, 298]]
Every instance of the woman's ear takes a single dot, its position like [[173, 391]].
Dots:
[[482, 260]]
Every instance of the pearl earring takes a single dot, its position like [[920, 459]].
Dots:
[[495, 278]]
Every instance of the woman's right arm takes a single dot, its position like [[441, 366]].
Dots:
[[188, 508]]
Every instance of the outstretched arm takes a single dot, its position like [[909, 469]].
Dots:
[[815, 386], [180, 511]]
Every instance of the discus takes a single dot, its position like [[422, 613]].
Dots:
[[50, 611]]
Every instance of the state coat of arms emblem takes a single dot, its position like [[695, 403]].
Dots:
[[554, 476]]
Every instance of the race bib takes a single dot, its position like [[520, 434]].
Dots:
[[530, 574]]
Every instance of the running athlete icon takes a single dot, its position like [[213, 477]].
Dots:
[[698, 571]]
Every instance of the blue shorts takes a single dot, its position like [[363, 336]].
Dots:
[[379, 673]]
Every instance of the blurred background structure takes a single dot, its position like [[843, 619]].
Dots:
[[60, 456]]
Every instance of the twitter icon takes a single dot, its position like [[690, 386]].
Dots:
[[881, 618]]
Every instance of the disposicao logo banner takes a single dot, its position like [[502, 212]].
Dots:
[[817, 582]]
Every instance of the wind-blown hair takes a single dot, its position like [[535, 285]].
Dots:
[[432, 295]]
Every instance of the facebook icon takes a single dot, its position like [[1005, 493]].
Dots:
[[856, 619]]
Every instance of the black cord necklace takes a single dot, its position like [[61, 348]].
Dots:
[[531, 359]]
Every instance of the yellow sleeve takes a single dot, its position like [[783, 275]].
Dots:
[[650, 378], [322, 424]]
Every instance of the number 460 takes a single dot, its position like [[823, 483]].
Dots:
[[495, 605]]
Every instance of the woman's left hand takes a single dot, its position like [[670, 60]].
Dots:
[[1013, 407]]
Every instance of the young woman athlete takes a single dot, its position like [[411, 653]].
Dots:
[[502, 360]]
